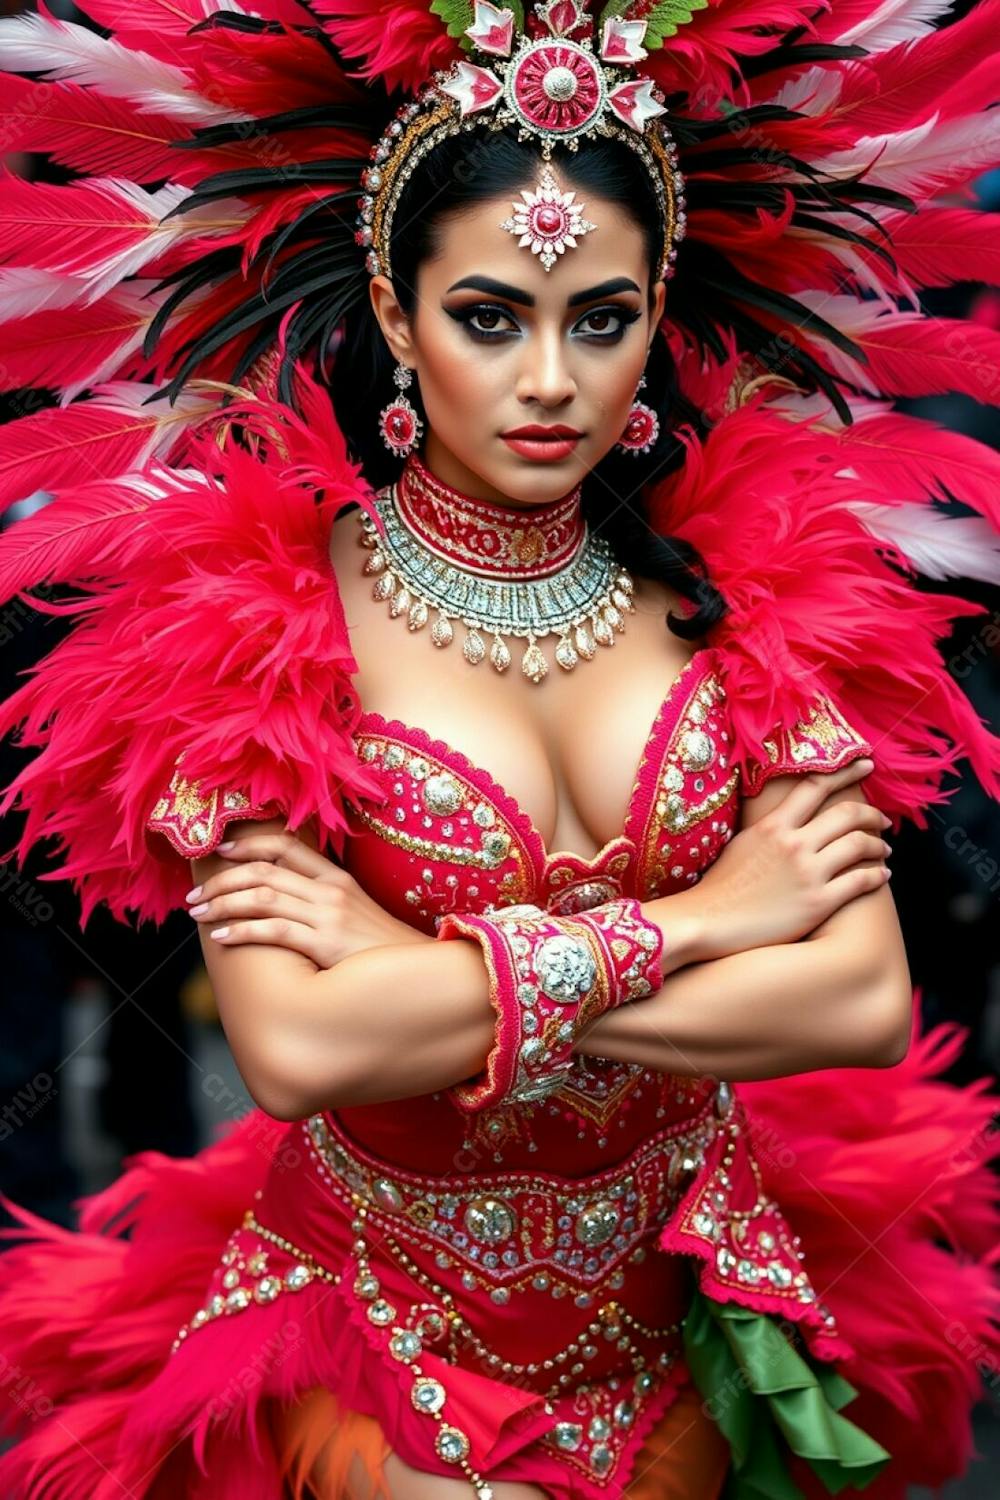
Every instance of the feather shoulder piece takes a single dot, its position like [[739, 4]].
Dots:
[[827, 637], [208, 654]]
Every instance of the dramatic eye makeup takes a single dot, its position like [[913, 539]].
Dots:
[[488, 322], [493, 321]]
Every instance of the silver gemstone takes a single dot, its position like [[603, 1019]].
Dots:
[[297, 1278], [560, 84], [696, 750], [566, 968], [601, 1458], [428, 1395], [490, 1220], [451, 1444], [597, 1223], [441, 795], [387, 1194], [405, 1345], [568, 1436]]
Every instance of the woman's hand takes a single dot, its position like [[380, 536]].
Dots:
[[282, 892], [782, 876]]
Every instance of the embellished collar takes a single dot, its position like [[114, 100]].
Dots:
[[481, 537]]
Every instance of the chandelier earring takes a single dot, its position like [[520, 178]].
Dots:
[[642, 428], [399, 424]]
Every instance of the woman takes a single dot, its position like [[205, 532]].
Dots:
[[518, 1234]]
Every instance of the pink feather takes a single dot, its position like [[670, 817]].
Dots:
[[824, 613], [70, 348], [400, 43], [941, 246], [89, 440], [264, 701], [81, 129], [889, 1189]]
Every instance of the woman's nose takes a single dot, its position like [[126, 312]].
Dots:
[[545, 375]]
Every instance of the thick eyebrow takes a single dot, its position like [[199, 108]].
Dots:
[[516, 294]]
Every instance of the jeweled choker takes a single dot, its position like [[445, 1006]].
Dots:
[[498, 571]]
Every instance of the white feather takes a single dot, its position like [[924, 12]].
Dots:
[[814, 92], [62, 49], [131, 299], [895, 21], [167, 423], [102, 274], [924, 158], [25, 290], [938, 545]]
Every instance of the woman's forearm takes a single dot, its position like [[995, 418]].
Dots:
[[398, 1021], [765, 1013]]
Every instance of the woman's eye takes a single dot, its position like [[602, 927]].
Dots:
[[485, 322], [606, 323]]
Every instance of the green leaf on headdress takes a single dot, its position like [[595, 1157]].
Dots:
[[662, 19], [458, 14]]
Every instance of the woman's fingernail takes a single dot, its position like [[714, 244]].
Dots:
[[193, 895], [886, 821], [219, 932], [225, 848], [196, 911]]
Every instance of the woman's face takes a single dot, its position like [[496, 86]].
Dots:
[[499, 344]]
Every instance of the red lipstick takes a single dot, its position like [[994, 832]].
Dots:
[[542, 443]]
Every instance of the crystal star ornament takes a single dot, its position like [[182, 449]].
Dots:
[[548, 221]]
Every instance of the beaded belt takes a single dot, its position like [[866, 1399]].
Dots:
[[513, 1229]]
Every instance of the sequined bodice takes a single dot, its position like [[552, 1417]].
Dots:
[[448, 837]]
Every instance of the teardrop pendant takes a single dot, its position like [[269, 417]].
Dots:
[[565, 654], [473, 647], [585, 643], [384, 587], [442, 631], [533, 663], [499, 655], [603, 633], [400, 604], [374, 564], [417, 618]]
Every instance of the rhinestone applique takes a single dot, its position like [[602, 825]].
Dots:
[[597, 1226]]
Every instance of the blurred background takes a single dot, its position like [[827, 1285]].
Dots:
[[110, 1040]]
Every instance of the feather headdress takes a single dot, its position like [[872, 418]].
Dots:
[[207, 238]]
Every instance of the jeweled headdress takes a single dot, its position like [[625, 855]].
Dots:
[[555, 82]]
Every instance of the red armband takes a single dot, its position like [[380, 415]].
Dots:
[[550, 976]]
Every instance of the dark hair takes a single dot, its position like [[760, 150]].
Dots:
[[459, 173]]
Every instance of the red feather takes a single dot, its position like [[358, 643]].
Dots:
[[71, 228], [80, 128], [940, 246], [909, 457], [813, 607], [401, 43], [896, 89], [267, 74], [933, 357], [161, 27], [94, 439], [71, 347]]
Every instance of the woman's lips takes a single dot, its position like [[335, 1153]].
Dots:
[[541, 449]]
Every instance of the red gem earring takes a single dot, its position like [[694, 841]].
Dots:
[[398, 423], [642, 428]]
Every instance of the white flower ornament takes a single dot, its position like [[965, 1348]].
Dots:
[[548, 221]]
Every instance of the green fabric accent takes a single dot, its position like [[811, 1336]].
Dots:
[[767, 1398]]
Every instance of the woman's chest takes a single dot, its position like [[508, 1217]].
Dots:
[[447, 834]]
